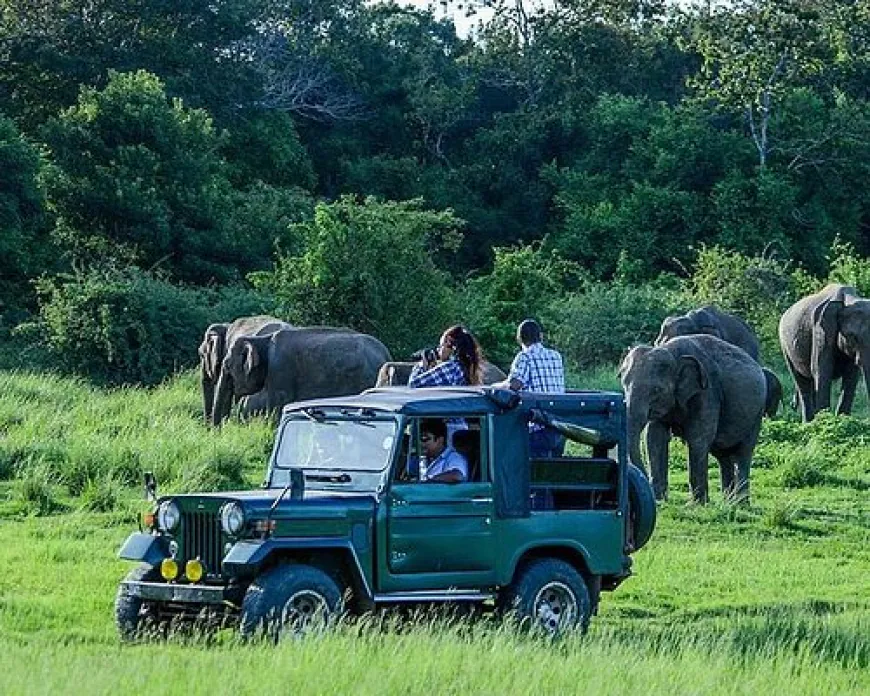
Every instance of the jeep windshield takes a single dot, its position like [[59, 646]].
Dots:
[[336, 452]]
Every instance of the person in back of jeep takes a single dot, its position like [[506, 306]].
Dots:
[[443, 464], [537, 369]]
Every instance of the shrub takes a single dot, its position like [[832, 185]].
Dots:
[[127, 326], [101, 495], [598, 325], [523, 283], [369, 265], [802, 471], [756, 288]]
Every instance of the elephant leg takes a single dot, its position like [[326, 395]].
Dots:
[[207, 384], [804, 392], [847, 396], [698, 475], [658, 438], [727, 471]]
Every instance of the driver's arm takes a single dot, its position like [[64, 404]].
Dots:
[[451, 476]]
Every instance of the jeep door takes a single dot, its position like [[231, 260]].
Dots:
[[439, 535]]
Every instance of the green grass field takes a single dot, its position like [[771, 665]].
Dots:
[[774, 598]]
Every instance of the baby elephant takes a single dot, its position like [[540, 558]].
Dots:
[[705, 391]]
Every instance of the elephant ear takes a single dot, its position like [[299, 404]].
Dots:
[[252, 357], [211, 349], [628, 359], [826, 324], [691, 379]]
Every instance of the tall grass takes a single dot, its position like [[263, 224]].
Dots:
[[724, 599]]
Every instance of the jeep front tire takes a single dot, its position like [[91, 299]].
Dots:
[[290, 599], [549, 595], [131, 612]]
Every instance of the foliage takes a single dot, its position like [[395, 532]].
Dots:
[[135, 179], [598, 325], [523, 283], [848, 268], [124, 326], [756, 288], [23, 249], [370, 266]]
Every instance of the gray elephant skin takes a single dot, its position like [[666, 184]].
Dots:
[[712, 321], [298, 364], [705, 391], [213, 350], [397, 374], [825, 337]]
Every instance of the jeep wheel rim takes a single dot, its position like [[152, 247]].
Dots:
[[555, 607], [304, 611]]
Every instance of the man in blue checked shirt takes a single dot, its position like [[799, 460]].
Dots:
[[538, 369]]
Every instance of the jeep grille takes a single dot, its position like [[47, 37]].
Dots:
[[203, 539]]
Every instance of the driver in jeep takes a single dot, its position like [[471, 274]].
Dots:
[[442, 463]]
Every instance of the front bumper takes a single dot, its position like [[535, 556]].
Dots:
[[184, 594]]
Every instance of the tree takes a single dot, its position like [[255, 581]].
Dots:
[[369, 265], [52, 47], [755, 52], [24, 251], [136, 178]]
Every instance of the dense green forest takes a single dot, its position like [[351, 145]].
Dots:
[[597, 163]]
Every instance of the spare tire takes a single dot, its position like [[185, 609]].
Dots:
[[641, 508]]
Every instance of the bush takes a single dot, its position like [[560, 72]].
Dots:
[[803, 470], [523, 283], [756, 288], [597, 326], [129, 326], [370, 266]]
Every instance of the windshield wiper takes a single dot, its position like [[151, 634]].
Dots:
[[325, 478], [297, 483], [314, 414]]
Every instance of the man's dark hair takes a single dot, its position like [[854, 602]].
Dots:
[[434, 426], [529, 332]]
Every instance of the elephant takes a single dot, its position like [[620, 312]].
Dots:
[[396, 374], [297, 364], [826, 336], [214, 346], [712, 321], [705, 391]]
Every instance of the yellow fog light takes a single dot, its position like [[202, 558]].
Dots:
[[194, 570], [168, 569]]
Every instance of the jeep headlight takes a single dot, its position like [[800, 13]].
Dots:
[[232, 518], [168, 516]]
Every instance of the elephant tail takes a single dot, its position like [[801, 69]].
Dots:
[[774, 393]]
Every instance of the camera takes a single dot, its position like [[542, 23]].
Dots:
[[427, 354]]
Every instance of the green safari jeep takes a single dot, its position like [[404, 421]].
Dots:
[[346, 522]]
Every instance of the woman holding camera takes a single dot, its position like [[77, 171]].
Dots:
[[456, 361]]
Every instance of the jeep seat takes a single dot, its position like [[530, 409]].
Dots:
[[467, 443]]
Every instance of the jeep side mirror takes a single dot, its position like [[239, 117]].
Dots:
[[150, 486]]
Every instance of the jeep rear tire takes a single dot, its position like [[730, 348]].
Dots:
[[131, 612], [549, 595], [290, 600], [641, 508]]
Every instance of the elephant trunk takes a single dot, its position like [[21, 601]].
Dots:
[[223, 400], [637, 420], [865, 368], [207, 384]]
